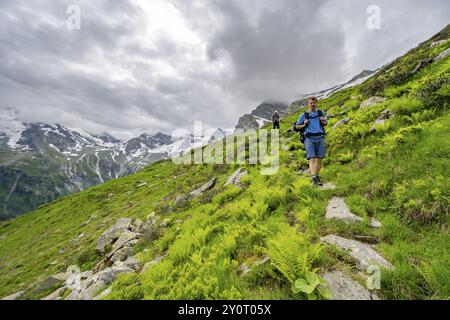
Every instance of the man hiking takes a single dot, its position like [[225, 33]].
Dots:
[[312, 123], [276, 121]]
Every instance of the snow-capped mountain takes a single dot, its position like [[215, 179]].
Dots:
[[360, 78], [40, 162]]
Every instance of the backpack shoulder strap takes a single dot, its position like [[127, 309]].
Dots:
[[307, 115], [322, 114]]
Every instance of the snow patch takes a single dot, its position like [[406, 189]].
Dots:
[[54, 148], [261, 121], [11, 127]]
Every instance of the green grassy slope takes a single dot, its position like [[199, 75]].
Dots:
[[397, 173]]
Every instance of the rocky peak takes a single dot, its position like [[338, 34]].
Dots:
[[37, 136], [217, 135], [107, 138], [155, 140], [261, 116], [266, 110]]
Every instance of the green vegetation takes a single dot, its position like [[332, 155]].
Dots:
[[397, 171]]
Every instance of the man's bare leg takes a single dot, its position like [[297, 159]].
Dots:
[[314, 170], [312, 166], [318, 168], [315, 165]]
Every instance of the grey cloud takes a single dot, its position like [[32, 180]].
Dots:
[[289, 50], [109, 76]]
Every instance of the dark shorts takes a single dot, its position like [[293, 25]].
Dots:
[[315, 147]]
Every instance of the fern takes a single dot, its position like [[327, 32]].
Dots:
[[292, 254]]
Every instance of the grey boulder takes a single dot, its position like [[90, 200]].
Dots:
[[371, 101], [91, 286], [363, 253], [204, 188], [122, 254], [327, 186], [113, 233], [374, 223], [338, 210], [442, 56], [52, 281], [437, 43], [125, 238], [131, 263], [384, 116], [342, 122], [14, 296], [343, 287], [180, 200], [235, 178]]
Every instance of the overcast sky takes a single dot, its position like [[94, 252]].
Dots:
[[138, 65]]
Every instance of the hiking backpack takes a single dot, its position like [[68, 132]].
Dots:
[[302, 131]]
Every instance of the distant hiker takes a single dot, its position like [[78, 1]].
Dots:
[[276, 120], [311, 124]]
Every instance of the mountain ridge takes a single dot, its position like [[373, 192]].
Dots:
[[62, 160]]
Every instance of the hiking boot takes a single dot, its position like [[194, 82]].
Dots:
[[315, 181], [319, 181]]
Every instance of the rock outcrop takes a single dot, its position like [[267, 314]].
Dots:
[[338, 210], [342, 122], [374, 223], [384, 116], [364, 254], [120, 238], [437, 43], [327, 186], [245, 268], [204, 188], [343, 287], [180, 200], [88, 289], [113, 233], [52, 281], [371, 101], [235, 179], [15, 296], [442, 56]]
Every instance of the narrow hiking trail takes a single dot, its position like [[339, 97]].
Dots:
[[342, 280]]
